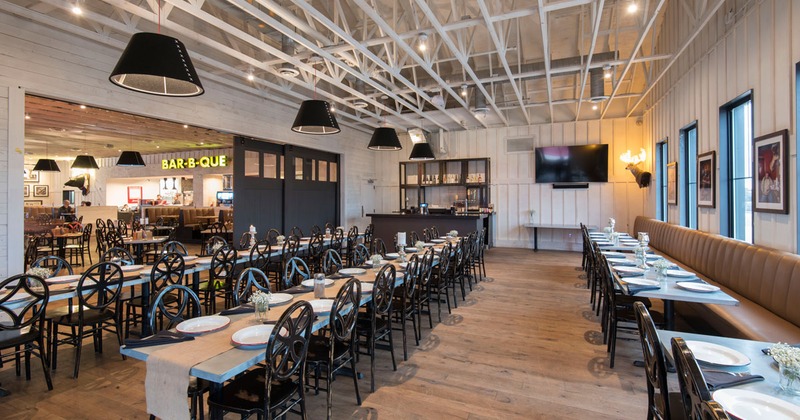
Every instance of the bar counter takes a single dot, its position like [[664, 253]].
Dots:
[[387, 225]]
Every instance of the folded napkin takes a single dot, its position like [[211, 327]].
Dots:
[[159, 338], [635, 288], [718, 379], [298, 290], [629, 274], [338, 276], [242, 309], [625, 263]]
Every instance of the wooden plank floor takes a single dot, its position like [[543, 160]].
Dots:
[[524, 345]]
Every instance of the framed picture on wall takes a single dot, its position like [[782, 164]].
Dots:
[[26, 190], [41, 190], [134, 195], [33, 202], [771, 173], [672, 183], [706, 182], [29, 175]]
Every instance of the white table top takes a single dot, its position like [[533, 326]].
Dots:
[[760, 364]]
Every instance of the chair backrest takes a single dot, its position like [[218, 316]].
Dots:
[[272, 236], [100, 237], [261, 254], [120, 256], [316, 230], [690, 378], [425, 269], [175, 246], [244, 241], [223, 263], [330, 226], [176, 310], [345, 311], [445, 262], [414, 237], [316, 246], [55, 264], [19, 318], [654, 363], [378, 247], [167, 270], [295, 272], [122, 227], [288, 346], [114, 239], [100, 286], [247, 280], [435, 232], [383, 291], [296, 231], [426, 235], [100, 224], [331, 262], [368, 232], [712, 410], [360, 255], [289, 248], [214, 242], [136, 225]]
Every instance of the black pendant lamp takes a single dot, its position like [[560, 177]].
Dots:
[[422, 151], [315, 117], [46, 165], [84, 162], [384, 138], [130, 158]]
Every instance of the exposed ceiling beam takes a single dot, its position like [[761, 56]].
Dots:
[[634, 52], [546, 53], [598, 14], [710, 14]]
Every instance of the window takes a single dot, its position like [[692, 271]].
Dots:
[[688, 175], [251, 163], [323, 170], [334, 172], [736, 166], [662, 158], [298, 168], [270, 165]]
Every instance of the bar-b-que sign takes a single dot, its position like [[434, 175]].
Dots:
[[189, 163]]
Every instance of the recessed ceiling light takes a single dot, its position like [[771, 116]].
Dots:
[[27, 116], [594, 107], [186, 126], [464, 90], [250, 77], [77, 10], [333, 108], [158, 147], [633, 7], [83, 106], [423, 42]]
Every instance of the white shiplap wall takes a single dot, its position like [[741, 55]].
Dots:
[[755, 50], [42, 61], [514, 192]]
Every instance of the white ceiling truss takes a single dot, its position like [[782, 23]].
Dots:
[[522, 61]]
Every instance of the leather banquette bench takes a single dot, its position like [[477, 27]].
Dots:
[[765, 281]]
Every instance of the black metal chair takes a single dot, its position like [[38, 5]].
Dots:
[[173, 305], [335, 348], [331, 262], [278, 388], [295, 272], [423, 298], [212, 244], [378, 247], [350, 245], [220, 278], [368, 232], [376, 326], [272, 236], [75, 251], [426, 235], [56, 265], [168, 270], [661, 403], [435, 232], [248, 281], [694, 390], [175, 246], [360, 256], [405, 302], [244, 240], [98, 291], [296, 231], [22, 327], [712, 410], [316, 230], [313, 254], [440, 280]]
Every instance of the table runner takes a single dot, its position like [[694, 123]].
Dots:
[[167, 375]]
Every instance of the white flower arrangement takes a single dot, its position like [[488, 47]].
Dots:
[[376, 259], [259, 298], [419, 245], [280, 238], [612, 222], [607, 230], [42, 272], [453, 233], [661, 264], [216, 248], [788, 358]]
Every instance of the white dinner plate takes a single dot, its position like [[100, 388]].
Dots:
[[714, 354], [256, 336], [748, 405], [629, 270], [321, 306], [189, 258], [383, 262], [622, 261], [614, 254], [604, 243], [680, 273], [438, 241], [641, 282], [204, 260], [653, 257], [203, 324], [279, 298], [63, 279], [403, 265], [392, 255], [352, 271], [310, 282], [427, 244], [366, 288], [132, 267], [697, 287], [411, 249], [17, 296]]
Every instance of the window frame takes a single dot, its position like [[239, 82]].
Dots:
[[688, 175], [726, 184], [662, 159]]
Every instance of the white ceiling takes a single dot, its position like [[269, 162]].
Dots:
[[529, 58]]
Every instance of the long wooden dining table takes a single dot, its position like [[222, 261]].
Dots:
[[669, 291]]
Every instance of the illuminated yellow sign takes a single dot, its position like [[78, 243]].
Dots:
[[190, 163]]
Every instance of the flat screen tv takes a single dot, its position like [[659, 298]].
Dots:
[[587, 163]]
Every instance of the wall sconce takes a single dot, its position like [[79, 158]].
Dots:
[[642, 177]]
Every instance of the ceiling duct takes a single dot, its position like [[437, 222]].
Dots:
[[597, 86], [288, 70], [358, 102], [479, 107]]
